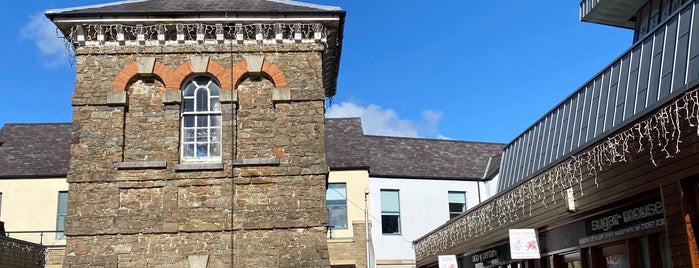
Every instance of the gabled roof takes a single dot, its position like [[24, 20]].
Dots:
[[345, 147], [429, 158], [174, 7], [35, 150]]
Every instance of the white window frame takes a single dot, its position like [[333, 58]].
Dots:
[[387, 212], [453, 214], [200, 125]]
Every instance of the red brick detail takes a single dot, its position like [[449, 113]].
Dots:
[[279, 153], [164, 73], [275, 74], [178, 75], [237, 72], [123, 78], [268, 68], [223, 75]]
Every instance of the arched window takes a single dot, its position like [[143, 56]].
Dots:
[[201, 120]]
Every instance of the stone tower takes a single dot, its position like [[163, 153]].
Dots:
[[198, 132]]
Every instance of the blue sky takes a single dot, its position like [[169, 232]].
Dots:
[[466, 70]]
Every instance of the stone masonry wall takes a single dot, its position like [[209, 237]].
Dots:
[[133, 204]]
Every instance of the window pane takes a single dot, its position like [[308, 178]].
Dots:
[[214, 104], [215, 135], [389, 200], [338, 217], [202, 100], [215, 149], [188, 105], [390, 224], [188, 150], [188, 120], [457, 197], [188, 135], [336, 191], [61, 213], [188, 90], [202, 135], [202, 150], [215, 120], [202, 121]]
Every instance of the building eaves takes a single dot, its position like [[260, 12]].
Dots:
[[189, 7]]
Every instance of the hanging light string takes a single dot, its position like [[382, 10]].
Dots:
[[256, 33], [660, 135]]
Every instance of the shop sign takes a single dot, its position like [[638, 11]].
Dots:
[[638, 217], [492, 256], [524, 244], [447, 261]]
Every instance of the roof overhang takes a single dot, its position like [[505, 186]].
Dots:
[[617, 13], [332, 20]]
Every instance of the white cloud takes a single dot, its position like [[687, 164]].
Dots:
[[386, 122], [43, 33]]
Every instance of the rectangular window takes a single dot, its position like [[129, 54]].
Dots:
[[0, 205], [457, 203], [390, 212], [336, 199], [61, 214]]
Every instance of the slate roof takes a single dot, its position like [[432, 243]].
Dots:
[[429, 158], [345, 147], [174, 7], [43, 150], [35, 150]]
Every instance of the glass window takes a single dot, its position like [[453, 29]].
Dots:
[[61, 214], [201, 120], [457, 203], [390, 212], [0, 205], [336, 199]]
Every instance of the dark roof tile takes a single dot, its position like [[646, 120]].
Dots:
[[35, 150], [345, 147], [429, 158], [195, 6]]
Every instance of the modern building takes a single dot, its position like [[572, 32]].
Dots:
[[411, 185], [198, 132], [34, 161], [608, 177]]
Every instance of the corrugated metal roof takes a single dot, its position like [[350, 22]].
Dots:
[[35, 150]]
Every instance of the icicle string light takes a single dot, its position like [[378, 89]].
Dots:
[[661, 131], [257, 33]]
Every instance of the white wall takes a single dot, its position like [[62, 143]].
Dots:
[[31, 205], [424, 205]]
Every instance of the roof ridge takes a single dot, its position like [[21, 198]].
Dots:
[[433, 139], [41, 123], [310, 5], [61, 10]]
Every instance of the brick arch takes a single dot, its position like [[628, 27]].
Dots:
[[271, 70], [130, 71], [213, 68], [122, 79], [173, 78]]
